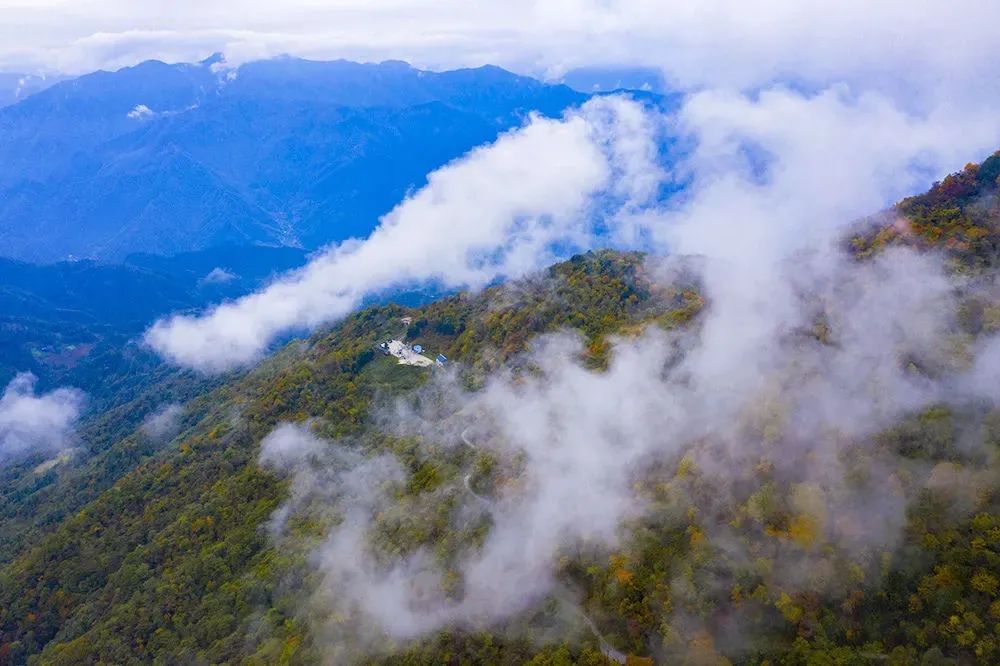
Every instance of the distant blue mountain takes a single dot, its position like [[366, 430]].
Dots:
[[71, 322], [607, 79], [166, 158], [16, 87]]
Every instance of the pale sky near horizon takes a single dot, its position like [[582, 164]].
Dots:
[[925, 48]]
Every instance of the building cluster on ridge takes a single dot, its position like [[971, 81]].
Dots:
[[410, 355]]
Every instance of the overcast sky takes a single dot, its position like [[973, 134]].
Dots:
[[916, 46]]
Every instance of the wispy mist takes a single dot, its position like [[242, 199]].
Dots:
[[577, 454], [36, 423], [802, 356], [514, 206], [164, 423]]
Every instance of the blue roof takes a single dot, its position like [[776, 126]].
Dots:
[[417, 348]]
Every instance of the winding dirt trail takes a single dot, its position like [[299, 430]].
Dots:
[[607, 649], [465, 480]]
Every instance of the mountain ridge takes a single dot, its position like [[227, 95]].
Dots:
[[283, 151]]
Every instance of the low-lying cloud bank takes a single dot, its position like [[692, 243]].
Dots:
[[500, 211], [773, 172], [582, 454], [36, 423], [801, 358]]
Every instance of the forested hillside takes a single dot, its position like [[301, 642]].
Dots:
[[171, 531], [959, 214], [74, 322], [171, 550]]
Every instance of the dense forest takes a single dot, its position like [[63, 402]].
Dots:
[[145, 549]]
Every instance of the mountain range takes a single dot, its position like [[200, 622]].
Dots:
[[166, 158], [158, 188]]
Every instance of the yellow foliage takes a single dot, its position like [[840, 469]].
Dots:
[[619, 570], [685, 467], [788, 609], [290, 648], [803, 530], [985, 582], [632, 660], [991, 318], [623, 576]]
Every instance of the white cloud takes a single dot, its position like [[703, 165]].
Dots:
[[751, 386], [818, 162], [32, 423], [774, 179], [164, 423], [218, 275], [289, 445], [575, 445], [830, 159], [499, 211], [141, 112]]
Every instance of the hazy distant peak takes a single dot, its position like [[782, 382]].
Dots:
[[216, 58]]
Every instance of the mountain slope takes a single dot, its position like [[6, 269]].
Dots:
[[211, 470], [169, 158], [67, 322], [50, 134], [173, 562], [16, 87], [960, 213], [77, 324]]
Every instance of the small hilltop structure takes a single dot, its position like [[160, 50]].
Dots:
[[410, 354], [407, 355]]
